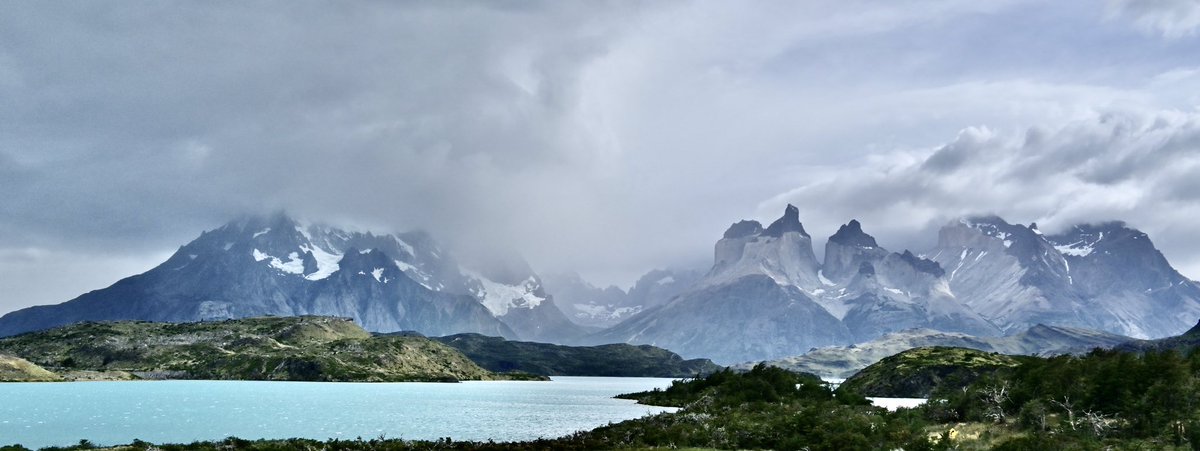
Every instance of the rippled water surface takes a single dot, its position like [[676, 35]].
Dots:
[[106, 413]]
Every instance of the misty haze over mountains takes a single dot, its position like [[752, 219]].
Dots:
[[766, 296], [562, 126]]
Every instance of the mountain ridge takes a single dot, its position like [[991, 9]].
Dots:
[[275, 265], [766, 295], [611, 360], [985, 277]]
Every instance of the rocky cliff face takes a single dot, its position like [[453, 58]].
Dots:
[[1121, 275], [1106, 277], [891, 291], [783, 251], [860, 291], [752, 315], [985, 278]]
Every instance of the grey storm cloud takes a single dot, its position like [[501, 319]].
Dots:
[[605, 137], [1172, 18], [1131, 166], [136, 117]]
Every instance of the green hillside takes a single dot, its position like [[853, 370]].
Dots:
[[284, 348], [614, 360], [16, 369], [916, 373]]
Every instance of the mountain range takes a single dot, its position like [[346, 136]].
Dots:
[[766, 295], [275, 265]]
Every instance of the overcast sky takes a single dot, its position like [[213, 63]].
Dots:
[[604, 137]]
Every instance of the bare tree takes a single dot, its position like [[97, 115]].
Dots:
[[1069, 407], [1099, 422], [994, 396]]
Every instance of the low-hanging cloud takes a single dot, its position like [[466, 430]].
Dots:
[[1171, 18], [1119, 165], [191, 115], [606, 137]]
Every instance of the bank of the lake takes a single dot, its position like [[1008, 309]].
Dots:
[[107, 413]]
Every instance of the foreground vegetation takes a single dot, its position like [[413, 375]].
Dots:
[[1102, 400], [1105, 399]]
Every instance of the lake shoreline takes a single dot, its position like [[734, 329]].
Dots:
[[175, 411], [137, 376]]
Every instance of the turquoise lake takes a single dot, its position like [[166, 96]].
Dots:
[[108, 413]]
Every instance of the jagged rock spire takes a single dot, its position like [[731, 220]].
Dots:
[[789, 222], [742, 229], [852, 234]]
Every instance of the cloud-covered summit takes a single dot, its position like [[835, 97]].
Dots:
[[602, 137], [1137, 167]]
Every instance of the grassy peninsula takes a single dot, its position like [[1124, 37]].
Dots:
[[307, 348]]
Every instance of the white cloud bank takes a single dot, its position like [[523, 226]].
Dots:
[[1171, 18], [605, 137], [1143, 168]]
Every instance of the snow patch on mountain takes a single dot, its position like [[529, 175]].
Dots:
[[604, 312], [415, 274], [1081, 248], [327, 262], [825, 281], [500, 298], [294, 264], [408, 247]]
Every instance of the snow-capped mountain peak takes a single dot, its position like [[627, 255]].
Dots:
[[274, 264], [1082, 240]]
